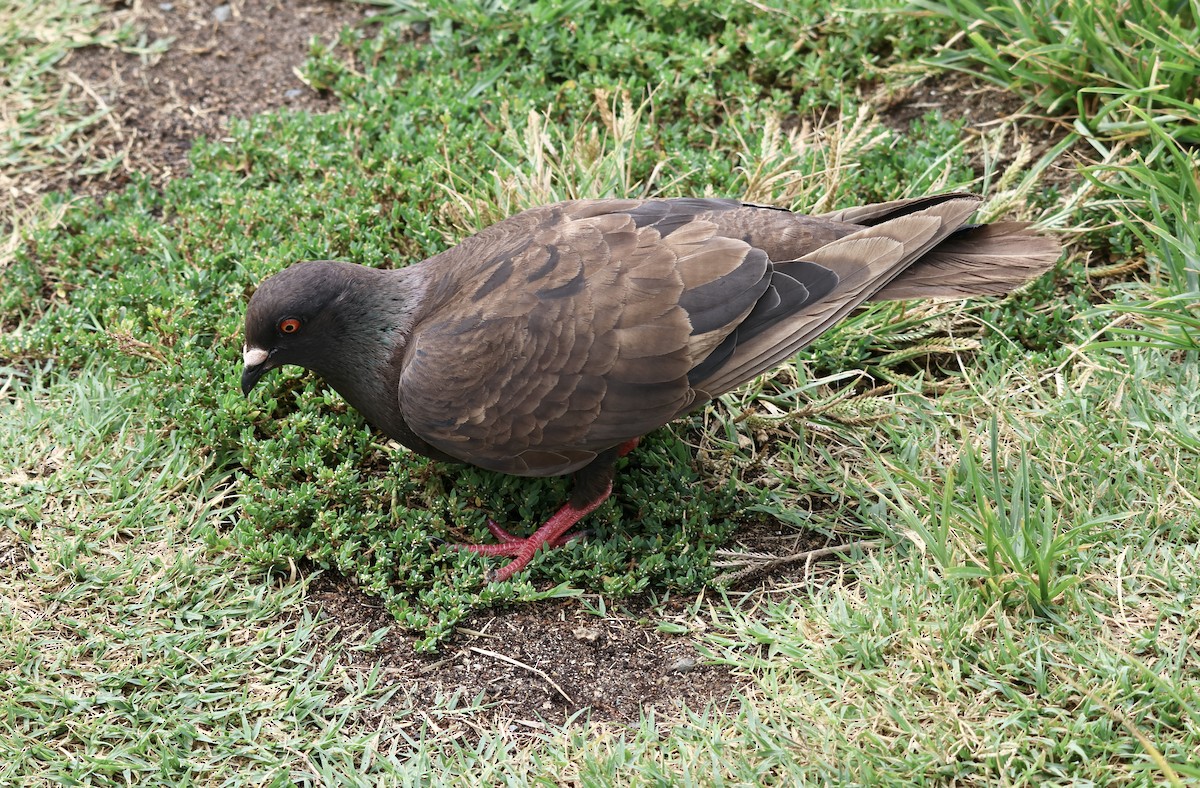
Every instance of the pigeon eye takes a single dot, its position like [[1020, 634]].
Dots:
[[289, 325]]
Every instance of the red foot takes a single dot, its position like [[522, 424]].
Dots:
[[552, 534], [510, 543]]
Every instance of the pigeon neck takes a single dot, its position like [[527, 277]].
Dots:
[[378, 313]]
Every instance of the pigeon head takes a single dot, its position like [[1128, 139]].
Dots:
[[299, 316]]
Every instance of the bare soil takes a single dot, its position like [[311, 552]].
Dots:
[[955, 96], [212, 71], [982, 107], [532, 664]]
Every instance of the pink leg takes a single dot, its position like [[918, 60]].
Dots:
[[510, 543], [523, 550], [552, 534]]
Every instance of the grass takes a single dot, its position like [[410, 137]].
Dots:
[[1102, 61], [1030, 464]]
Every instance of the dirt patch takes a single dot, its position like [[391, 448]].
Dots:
[[533, 664], [542, 663], [983, 107], [956, 97], [225, 60]]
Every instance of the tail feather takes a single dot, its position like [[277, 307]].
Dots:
[[990, 259], [865, 262], [914, 248]]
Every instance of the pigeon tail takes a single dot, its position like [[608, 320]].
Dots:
[[990, 259]]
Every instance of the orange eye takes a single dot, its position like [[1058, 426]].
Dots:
[[289, 325]]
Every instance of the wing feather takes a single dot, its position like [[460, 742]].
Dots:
[[581, 338]]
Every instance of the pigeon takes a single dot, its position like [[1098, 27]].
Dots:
[[549, 342]]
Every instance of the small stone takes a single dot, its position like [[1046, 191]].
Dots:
[[222, 13], [293, 93], [681, 665], [166, 6], [587, 634]]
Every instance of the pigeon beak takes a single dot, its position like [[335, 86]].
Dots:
[[254, 360]]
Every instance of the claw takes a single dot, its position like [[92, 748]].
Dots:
[[554, 533]]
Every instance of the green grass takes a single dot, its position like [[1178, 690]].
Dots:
[[1030, 465], [1071, 55]]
